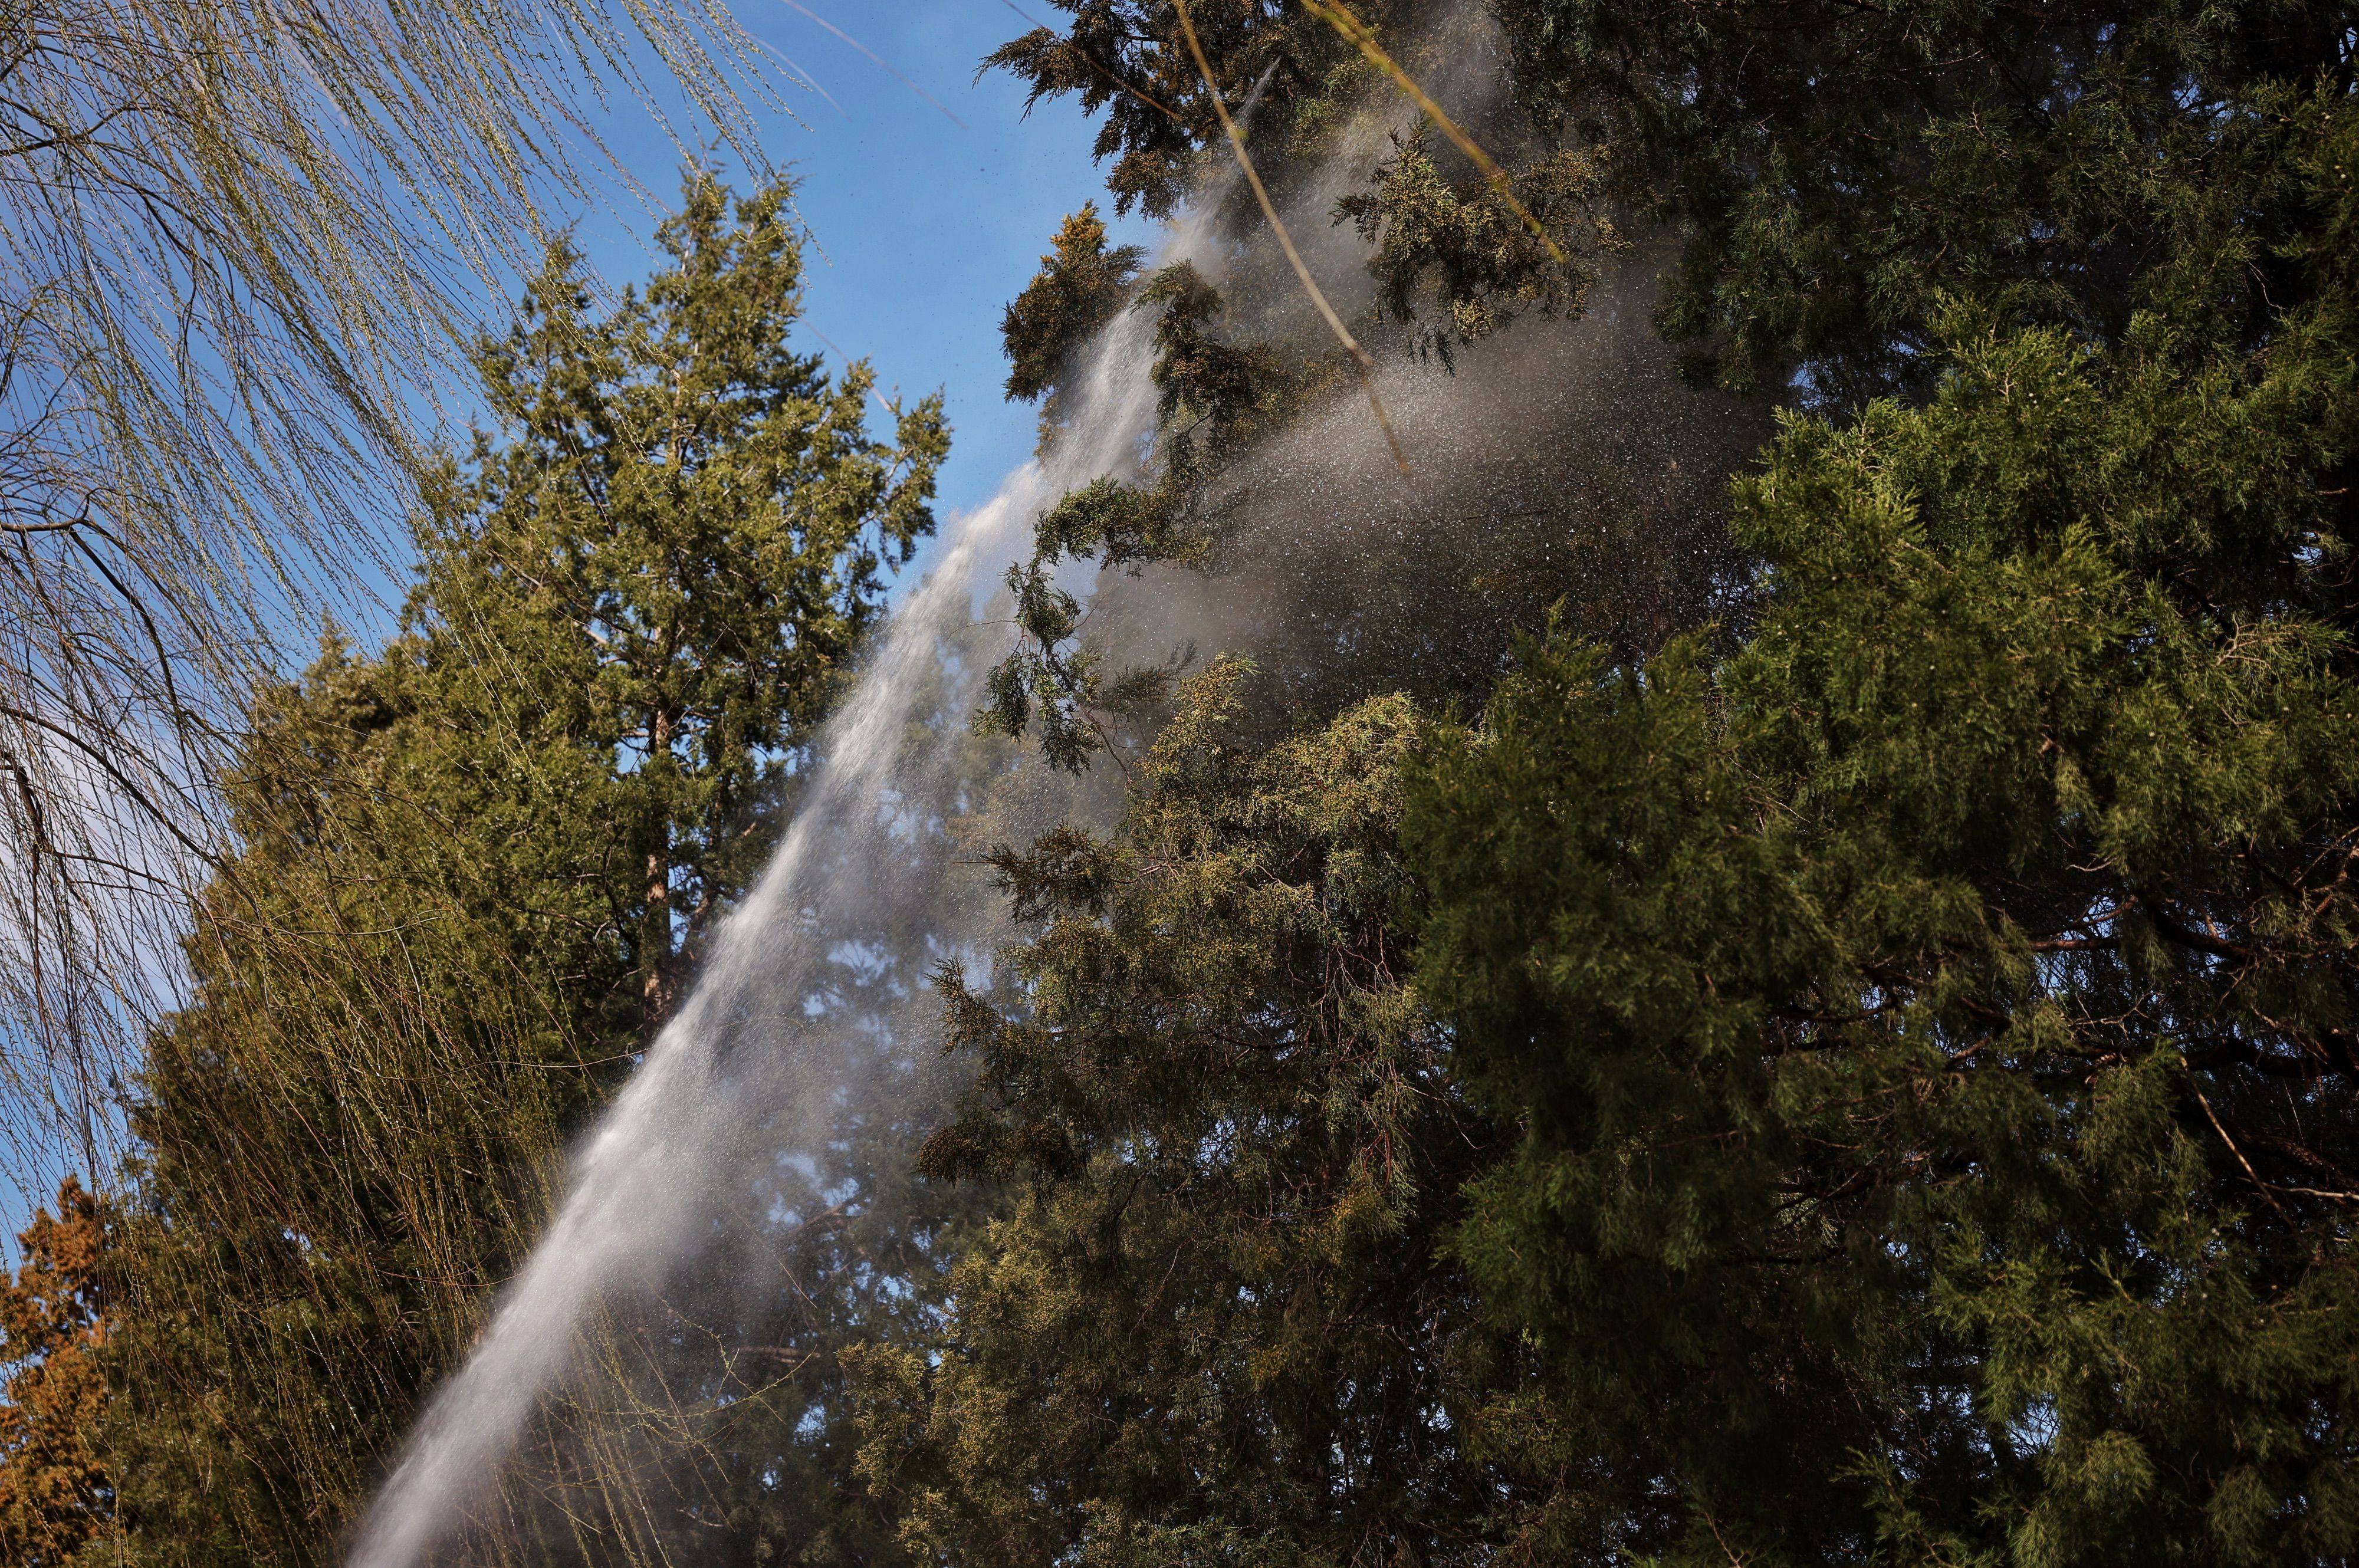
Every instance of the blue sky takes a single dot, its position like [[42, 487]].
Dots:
[[929, 201], [925, 226]]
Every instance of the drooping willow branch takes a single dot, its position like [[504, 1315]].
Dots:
[[244, 244]]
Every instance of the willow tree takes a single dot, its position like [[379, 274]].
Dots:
[[238, 239]]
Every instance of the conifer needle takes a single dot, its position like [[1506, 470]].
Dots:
[[1116, 83]]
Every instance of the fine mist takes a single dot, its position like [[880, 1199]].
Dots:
[[1560, 469]]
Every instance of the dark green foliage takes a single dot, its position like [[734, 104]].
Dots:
[[1081, 285], [1927, 1005], [1842, 168], [1049, 678], [1125, 58], [1934, 1022], [1477, 257], [1446, 242], [473, 870], [1225, 390], [1211, 1324], [688, 531], [1867, 1081], [1120, 524], [1214, 398]]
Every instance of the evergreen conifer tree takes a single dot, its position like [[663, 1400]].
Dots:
[[498, 843], [1865, 1080], [1931, 1016], [1922, 1005], [1213, 1322]]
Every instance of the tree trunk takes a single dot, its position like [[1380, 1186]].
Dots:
[[655, 923]]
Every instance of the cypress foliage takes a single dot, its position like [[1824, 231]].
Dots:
[[496, 846], [1931, 1018], [1867, 1079], [1918, 1012], [1215, 1322], [1928, 1022]]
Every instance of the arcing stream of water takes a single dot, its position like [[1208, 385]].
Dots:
[[734, 1068]]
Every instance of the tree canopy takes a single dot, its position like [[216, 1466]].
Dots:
[[1806, 1016], [55, 1491], [500, 839], [1914, 1005]]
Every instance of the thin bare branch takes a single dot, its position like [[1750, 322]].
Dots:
[[1361, 361]]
